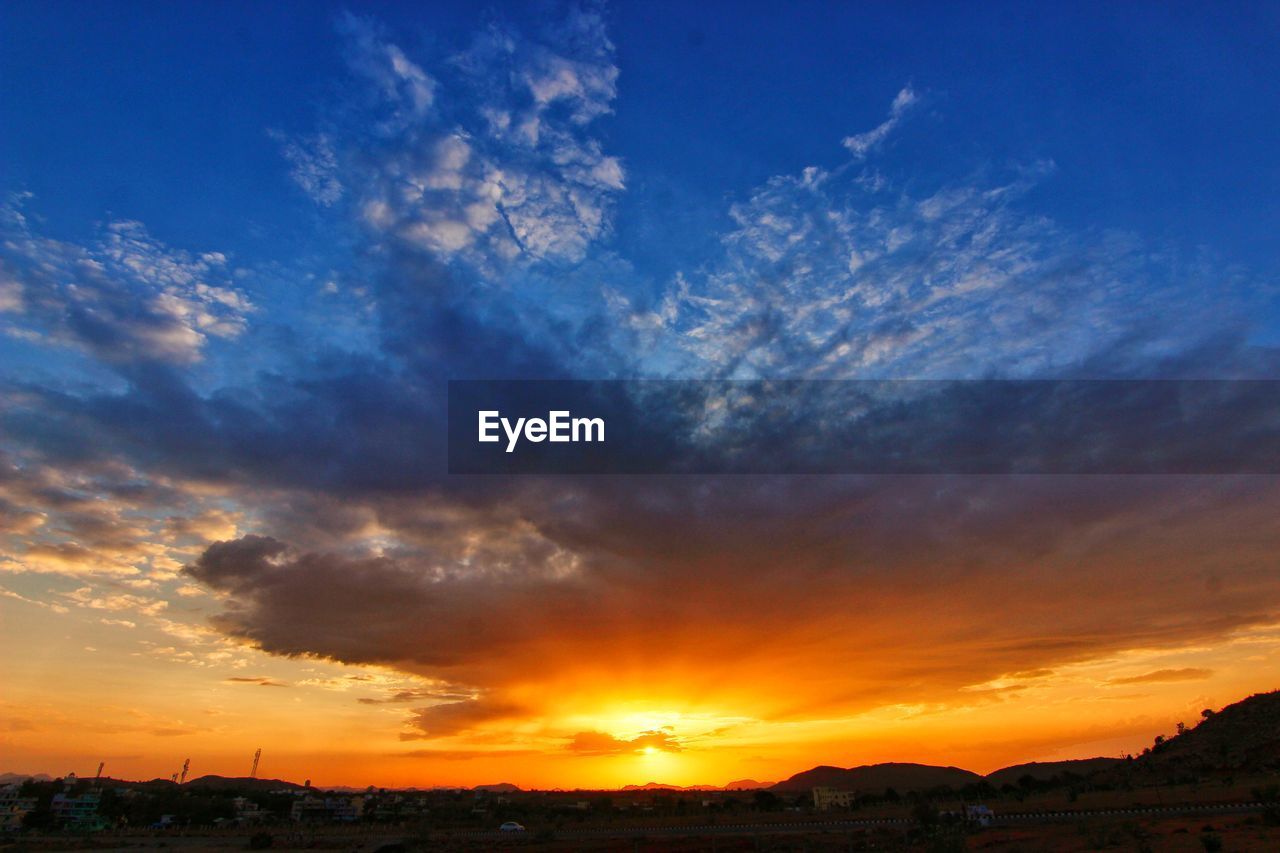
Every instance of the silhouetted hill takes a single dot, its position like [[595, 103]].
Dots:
[[747, 785], [822, 776], [1044, 770], [1241, 737], [157, 783], [875, 778], [498, 788], [661, 786], [739, 785], [241, 783], [11, 778]]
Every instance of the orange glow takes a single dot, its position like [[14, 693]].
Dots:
[[143, 707]]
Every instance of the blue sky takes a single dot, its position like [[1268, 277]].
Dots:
[[1159, 117], [242, 247], [1156, 121]]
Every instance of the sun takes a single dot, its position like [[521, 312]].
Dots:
[[650, 750]]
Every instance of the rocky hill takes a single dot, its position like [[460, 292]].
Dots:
[[241, 783]]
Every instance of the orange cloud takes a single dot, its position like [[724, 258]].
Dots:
[[1165, 675], [600, 743], [260, 681]]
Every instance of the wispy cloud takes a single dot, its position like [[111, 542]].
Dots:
[[861, 144], [1164, 676], [404, 91], [259, 681], [822, 277], [314, 167]]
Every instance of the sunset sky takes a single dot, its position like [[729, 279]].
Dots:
[[243, 248]]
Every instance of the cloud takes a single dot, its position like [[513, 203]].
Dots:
[[125, 298], [600, 743], [670, 576], [206, 526], [405, 696], [314, 167], [405, 92], [1162, 676], [822, 278], [260, 681], [465, 754], [11, 300], [451, 718], [15, 596], [116, 601], [97, 516], [495, 161], [68, 558], [860, 145], [263, 576]]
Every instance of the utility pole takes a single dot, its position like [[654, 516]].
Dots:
[[253, 774]]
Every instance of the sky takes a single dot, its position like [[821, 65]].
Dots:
[[244, 247]]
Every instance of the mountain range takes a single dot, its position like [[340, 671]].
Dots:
[[1244, 736]]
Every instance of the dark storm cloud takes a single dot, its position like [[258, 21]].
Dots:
[[451, 718], [1006, 574], [421, 609]]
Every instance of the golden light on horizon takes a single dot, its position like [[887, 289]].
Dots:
[[1017, 717]]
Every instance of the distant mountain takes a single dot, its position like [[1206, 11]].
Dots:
[[1043, 771], [1241, 737], [875, 778], [498, 788], [659, 786], [651, 786], [747, 785], [10, 778], [241, 783]]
